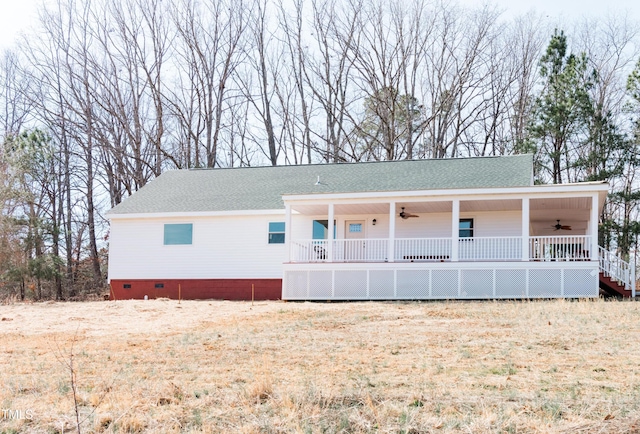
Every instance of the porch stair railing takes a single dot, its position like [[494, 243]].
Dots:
[[617, 269]]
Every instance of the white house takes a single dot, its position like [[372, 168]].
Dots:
[[468, 228]]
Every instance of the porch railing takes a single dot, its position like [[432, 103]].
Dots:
[[309, 251], [422, 249], [361, 250], [490, 249], [560, 248], [617, 269], [548, 248]]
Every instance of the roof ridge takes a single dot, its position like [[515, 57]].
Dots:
[[350, 163]]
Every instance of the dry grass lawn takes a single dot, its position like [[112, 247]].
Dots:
[[389, 367]]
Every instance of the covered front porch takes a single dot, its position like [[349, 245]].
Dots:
[[538, 241], [472, 228]]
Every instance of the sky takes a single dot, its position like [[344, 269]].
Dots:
[[568, 9], [16, 15]]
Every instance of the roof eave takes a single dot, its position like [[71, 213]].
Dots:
[[194, 214], [587, 187]]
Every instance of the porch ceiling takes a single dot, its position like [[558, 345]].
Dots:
[[542, 223], [490, 205], [541, 210], [353, 208], [424, 207], [571, 211], [373, 208], [561, 203], [412, 207]]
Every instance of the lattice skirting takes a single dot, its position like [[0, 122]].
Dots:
[[423, 284]]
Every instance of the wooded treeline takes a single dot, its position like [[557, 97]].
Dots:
[[104, 95]]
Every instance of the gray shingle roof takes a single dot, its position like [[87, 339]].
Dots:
[[261, 188]]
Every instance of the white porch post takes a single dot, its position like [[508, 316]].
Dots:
[[455, 228], [593, 225], [287, 232], [525, 229], [330, 229], [391, 248]]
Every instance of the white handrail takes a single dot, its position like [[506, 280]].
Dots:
[[309, 250], [560, 248], [360, 250], [422, 249], [617, 269], [490, 248]]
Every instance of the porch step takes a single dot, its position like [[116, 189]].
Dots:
[[612, 287]]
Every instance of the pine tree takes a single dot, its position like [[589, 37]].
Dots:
[[560, 126]]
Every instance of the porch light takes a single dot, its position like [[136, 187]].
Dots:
[[374, 222]]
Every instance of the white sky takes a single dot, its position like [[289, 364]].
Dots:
[[16, 15], [567, 9]]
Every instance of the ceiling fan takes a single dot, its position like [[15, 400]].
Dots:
[[558, 226], [406, 215]]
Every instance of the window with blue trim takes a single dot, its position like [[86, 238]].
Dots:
[[276, 233], [175, 234]]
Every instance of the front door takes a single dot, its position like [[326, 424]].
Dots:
[[354, 244]]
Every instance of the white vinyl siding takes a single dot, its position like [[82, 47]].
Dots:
[[223, 247], [428, 225], [496, 223]]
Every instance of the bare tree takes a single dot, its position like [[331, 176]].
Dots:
[[298, 127], [386, 62], [328, 73], [209, 49], [458, 75], [64, 72], [525, 41], [15, 106]]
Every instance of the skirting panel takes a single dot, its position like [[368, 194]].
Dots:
[[511, 283], [545, 283], [444, 284], [579, 283], [477, 284], [417, 282], [381, 284], [320, 285], [412, 284], [297, 284], [350, 285]]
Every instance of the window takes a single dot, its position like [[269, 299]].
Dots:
[[466, 228], [178, 234], [355, 227], [276, 233], [321, 229]]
